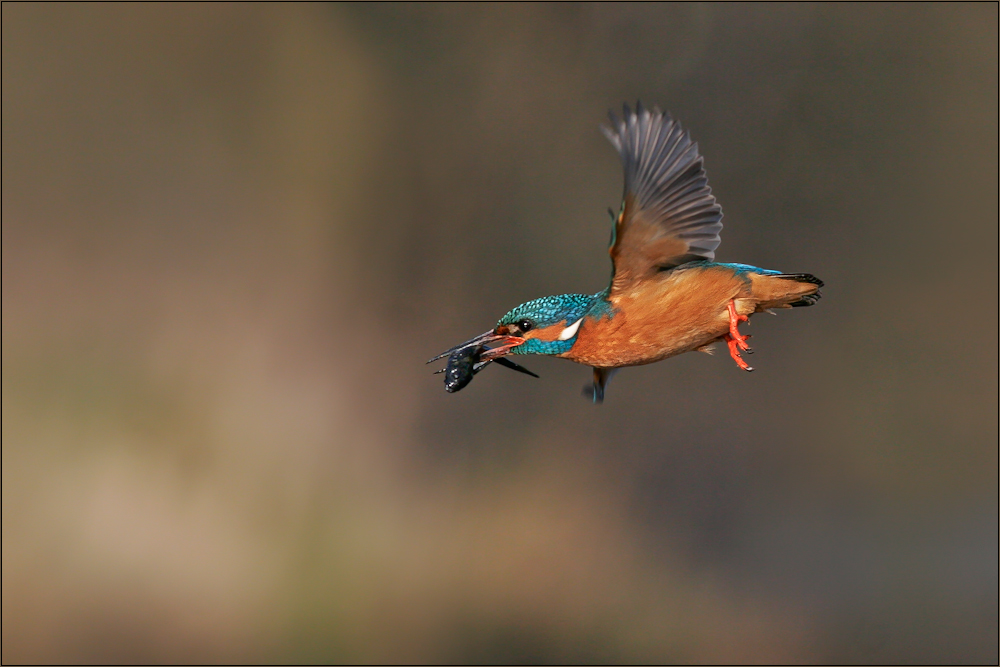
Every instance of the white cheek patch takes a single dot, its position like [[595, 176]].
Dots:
[[570, 331]]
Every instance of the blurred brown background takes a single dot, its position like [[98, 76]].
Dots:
[[232, 235]]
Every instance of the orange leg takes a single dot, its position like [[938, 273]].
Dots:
[[734, 340]]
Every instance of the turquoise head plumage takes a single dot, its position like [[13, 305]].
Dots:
[[549, 325]]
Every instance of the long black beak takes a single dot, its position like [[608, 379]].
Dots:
[[483, 339]]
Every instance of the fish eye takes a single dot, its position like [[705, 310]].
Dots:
[[525, 325]]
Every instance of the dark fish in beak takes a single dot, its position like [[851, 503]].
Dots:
[[467, 359]]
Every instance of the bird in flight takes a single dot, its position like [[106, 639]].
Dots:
[[667, 294]]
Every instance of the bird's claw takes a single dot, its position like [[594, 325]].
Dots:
[[736, 341], [734, 352]]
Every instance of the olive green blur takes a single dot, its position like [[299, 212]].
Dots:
[[232, 235]]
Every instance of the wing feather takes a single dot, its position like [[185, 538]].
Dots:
[[668, 213]]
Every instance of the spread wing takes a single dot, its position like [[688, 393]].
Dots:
[[668, 213]]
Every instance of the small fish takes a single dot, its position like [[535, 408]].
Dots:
[[464, 362]]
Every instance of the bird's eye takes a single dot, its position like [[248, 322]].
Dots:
[[525, 325]]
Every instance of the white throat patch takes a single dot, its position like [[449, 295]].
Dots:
[[570, 331]]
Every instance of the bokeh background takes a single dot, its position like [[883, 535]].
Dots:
[[232, 235]]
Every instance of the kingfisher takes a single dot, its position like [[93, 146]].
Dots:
[[667, 294]]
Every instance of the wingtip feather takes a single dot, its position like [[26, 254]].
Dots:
[[665, 175]]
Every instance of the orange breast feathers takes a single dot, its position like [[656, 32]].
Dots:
[[662, 317]]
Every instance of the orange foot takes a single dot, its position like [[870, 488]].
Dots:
[[734, 340]]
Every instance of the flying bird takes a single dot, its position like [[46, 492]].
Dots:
[[667, 293]]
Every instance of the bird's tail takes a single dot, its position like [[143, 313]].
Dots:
[[786, 290]]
